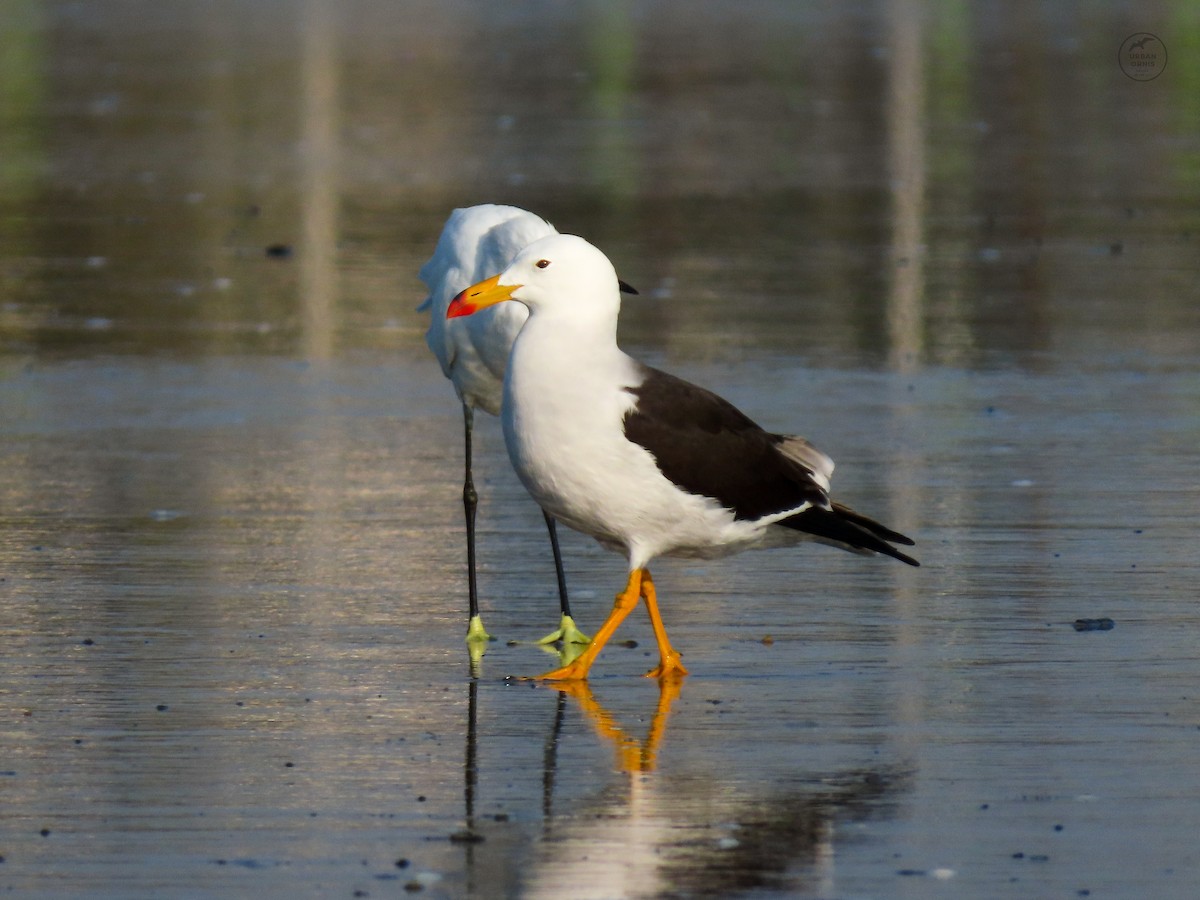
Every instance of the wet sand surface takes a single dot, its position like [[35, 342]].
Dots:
[[957, 251]]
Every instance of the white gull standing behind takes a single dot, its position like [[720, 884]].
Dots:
[[475, 242]]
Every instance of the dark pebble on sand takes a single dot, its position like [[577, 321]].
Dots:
[[279, 251]]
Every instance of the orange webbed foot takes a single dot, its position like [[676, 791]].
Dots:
[[571, 672], [670, 667]]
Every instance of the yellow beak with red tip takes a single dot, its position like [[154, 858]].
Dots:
[[480, 296]]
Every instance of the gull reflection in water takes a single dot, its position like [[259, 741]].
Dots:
[[650, 834]]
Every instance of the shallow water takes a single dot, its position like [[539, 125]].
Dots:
[[956, 250]]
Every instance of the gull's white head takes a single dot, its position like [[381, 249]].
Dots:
[[557, 271]]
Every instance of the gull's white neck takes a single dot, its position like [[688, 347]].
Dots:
[[567, 355], [564, 403]]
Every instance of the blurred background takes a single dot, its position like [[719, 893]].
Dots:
[[884, 183]]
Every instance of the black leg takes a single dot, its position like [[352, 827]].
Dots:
[[567, 632], [563, 602], [475, 629]]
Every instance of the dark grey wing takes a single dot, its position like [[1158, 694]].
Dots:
[[707, 446]]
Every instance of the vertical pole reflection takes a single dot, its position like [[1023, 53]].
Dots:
[[23, 87], [906, 173], [906, 169], [611, 50], [319, 211]]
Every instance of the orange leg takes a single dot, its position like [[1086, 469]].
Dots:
[[622, 607], [669, 665]]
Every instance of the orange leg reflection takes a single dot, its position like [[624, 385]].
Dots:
[[639, 585], [632, 755]]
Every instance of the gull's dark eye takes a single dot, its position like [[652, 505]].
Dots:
[[542, 263]]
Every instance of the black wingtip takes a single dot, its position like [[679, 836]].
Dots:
[[626, 287], [852, 530], [888, 550]]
